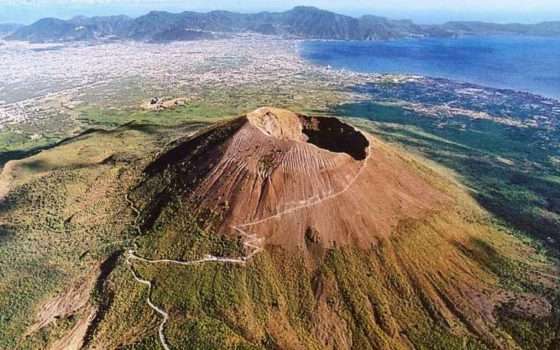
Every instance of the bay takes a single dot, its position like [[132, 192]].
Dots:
[[522, 63]]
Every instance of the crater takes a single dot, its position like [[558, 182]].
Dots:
[[324, 132], [333, 135]]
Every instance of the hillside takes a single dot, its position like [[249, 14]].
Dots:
[[484, 28], [8, 28], [300, 22], [271, 230]]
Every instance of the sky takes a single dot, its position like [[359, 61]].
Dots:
[[422, 11]]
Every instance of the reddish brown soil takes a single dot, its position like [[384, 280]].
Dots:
[[300, 180]]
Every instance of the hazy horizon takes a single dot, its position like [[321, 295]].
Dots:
[[431, 11]]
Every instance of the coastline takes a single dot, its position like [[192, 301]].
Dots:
[[333, 59]]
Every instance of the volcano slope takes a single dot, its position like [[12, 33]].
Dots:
[[281, 231]]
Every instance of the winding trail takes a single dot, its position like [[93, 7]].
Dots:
[[5, 181], [252, 243]]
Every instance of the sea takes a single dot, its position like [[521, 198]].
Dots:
[[521, 63]]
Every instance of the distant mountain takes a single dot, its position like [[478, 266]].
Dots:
[[8, 28], [104, 26], [51, 29], [473, 28], [147, 26], [78, 28], [309, 22], [302, 22], [180, 34]]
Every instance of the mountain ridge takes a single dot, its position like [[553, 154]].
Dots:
[[300, 22], [9, 28]]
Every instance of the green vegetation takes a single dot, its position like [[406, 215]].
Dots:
[[210, 107], [65, 214], [276, 300], [533, 334]]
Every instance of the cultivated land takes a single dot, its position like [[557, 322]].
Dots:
[[66, 224]]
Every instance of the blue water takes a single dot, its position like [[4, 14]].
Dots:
[[514, 62]]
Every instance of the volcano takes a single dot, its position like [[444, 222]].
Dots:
[[295, 180], [277, 230]]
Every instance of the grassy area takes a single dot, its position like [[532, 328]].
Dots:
[[49, 221], [210, 107], [530, 334], [64, 215], [380, 296]]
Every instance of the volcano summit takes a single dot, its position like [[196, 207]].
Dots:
[[293, 180]]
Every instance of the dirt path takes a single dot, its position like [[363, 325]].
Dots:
[[164, 314], [253, 243], [4, 189], [5, 180]]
